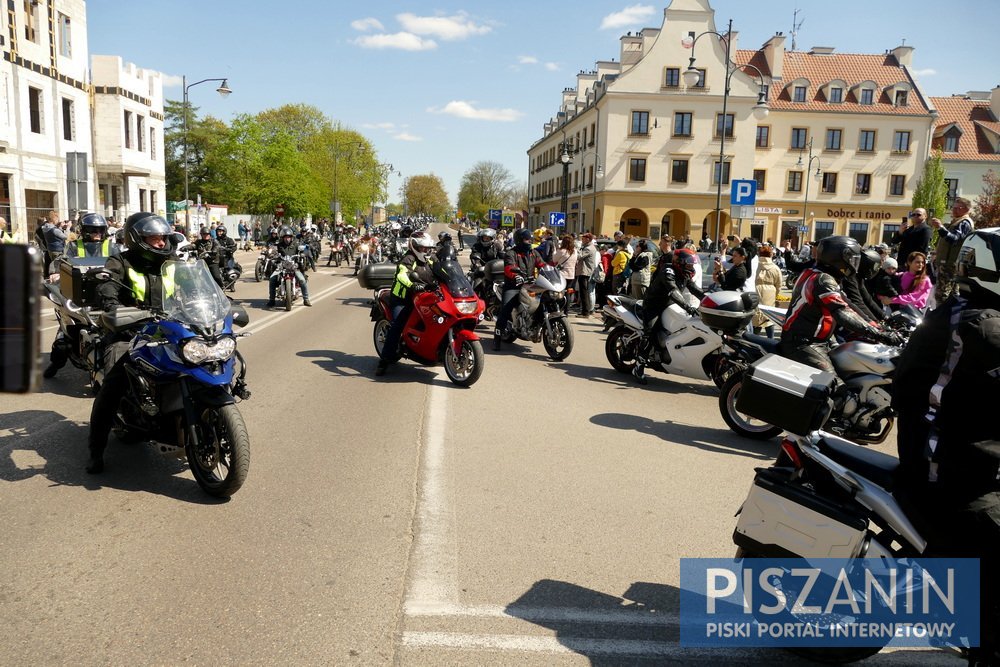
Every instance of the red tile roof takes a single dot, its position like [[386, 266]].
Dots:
[[851, 68], [973, 118]]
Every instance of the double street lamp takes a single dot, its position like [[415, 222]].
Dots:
[[760, 110], [566, 160], [805, 176], [358, 146], [223, 90], [598, 173]]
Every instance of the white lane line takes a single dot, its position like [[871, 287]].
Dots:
[[623, 616], [260, 325], [433, 560]]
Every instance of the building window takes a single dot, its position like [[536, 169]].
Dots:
[[679, 171], [952, 185], [863, 184], [701, 78], [140, 132], [888, 231], [725, 173], [640, 122], [867, 96], [35, 109], [68, 120], [65, 43], [799, 94], [593, 133], [637, 169], [799, 137], [901, 141], [795, 181], [859, 232], [901, 98], [728, 123], [866, 141], [31, 20], [152, 201], [833, 139], [142, 199], [823, 228], [682, 124], [951, 144], [829, 182], [152, 143], [673, 77], [760, 176], [763, 136], [584, 136], [836, 95], [896, 184]]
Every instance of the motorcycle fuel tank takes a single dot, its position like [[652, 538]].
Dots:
[[858, 357]]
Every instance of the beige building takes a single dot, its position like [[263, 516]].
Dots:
[[968, 136], [644, 147]]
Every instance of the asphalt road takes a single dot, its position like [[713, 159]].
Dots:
[[536, 518]]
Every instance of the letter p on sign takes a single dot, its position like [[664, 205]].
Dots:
[[744, 193]]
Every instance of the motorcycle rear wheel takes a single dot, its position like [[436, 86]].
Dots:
[[621, 353], [258, 270], [221, 461], [466, 367], [738, 422], [559, 344], [289, 293], [379, 334]]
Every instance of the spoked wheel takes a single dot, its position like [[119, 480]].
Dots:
[[739, 422], [559, 343], [221, 459], [620, 348], [258, 270], [289, 293], [379, 334], [465, 367]]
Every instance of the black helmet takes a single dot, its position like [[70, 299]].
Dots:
[[978, 268], [405, 232], [204, 231], [871, 262], [839, 252], [221, 231], [139, 227], [522, 236], [285, 231], [94, 223], [444, 237]]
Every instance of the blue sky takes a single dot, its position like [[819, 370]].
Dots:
[[439, 86]]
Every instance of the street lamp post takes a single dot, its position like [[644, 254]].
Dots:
[[598, 173], [566, 160], [336, 196], [382, 171], [223, 90], [760, 109], [805, 176]]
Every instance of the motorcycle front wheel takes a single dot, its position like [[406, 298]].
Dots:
[[467, 366], [221, 460], [738, 422], [258, 270], [559, 343], [289, 293], [620, 348]]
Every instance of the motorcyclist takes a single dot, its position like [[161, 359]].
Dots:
[[227, 246], [446, 247], [519, 265], [94, 241], [670, 285], [305, 238], [945, 389], [412, 275], [486, 249], [856, 289], [208, 249], [287, 247], [134, 280], [818, 306]]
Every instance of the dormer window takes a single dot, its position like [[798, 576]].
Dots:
[[901, 97], [836, 95], [951, 144], [799, 94], [867, 96]]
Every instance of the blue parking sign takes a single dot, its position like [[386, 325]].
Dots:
[[743, 193], [557, 219]]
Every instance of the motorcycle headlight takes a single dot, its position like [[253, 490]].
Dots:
[[198, 350], [554, 295], [466, 307]]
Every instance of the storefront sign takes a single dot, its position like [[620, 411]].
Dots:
[[768, 209], [859, 214]]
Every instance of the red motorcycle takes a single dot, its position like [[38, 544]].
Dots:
[[441, 327]]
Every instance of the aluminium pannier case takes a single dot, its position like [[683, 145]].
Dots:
[[377, 276], [728, 311], [792, 396]]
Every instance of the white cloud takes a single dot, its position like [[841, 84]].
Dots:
[[404, 41], [379, 126], [448, 28], [552, 67], [924, 72], [527, 60], [366, 24], [406, 136], [463, 109], [631, 15], [172, 81]]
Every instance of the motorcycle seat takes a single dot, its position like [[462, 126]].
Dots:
[[769, 345], [872, 465]]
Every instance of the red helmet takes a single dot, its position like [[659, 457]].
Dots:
[[684, 262]]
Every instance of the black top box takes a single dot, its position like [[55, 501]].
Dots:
[[377, 276]]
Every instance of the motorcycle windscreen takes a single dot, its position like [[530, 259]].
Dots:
[[549, 278], [450, 274], [191, 295]]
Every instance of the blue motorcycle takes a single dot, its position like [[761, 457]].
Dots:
[[185, 376]]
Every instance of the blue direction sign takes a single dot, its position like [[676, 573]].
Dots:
[[495, 214], [743, 193], [557, 219]]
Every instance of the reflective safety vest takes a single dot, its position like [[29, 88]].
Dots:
[[81, 250], [402, 283], [138, 281]]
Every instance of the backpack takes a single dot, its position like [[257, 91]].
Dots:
[[599, 274]]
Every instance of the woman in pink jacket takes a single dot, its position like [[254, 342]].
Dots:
[[915, 284]]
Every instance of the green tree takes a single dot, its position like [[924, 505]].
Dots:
[[986, 208], [931, 192], [486, 185], [203, 137], [340, 156], [425, 194]]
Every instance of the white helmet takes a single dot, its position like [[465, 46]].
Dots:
[[978, 268], [421, 243], [395, 226]]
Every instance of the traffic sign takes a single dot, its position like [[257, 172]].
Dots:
[[508, 220], [494, 215], [557, 219], [803, 229], [743, 212], [279, 211], [743, 193]]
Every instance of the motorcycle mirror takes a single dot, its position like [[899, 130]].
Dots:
[[20, 336], [179, 238], [240, 316]]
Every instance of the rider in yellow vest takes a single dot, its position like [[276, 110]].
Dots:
[[94, 241]]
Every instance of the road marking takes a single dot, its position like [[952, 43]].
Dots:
[[623, 616], [260, 325]]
